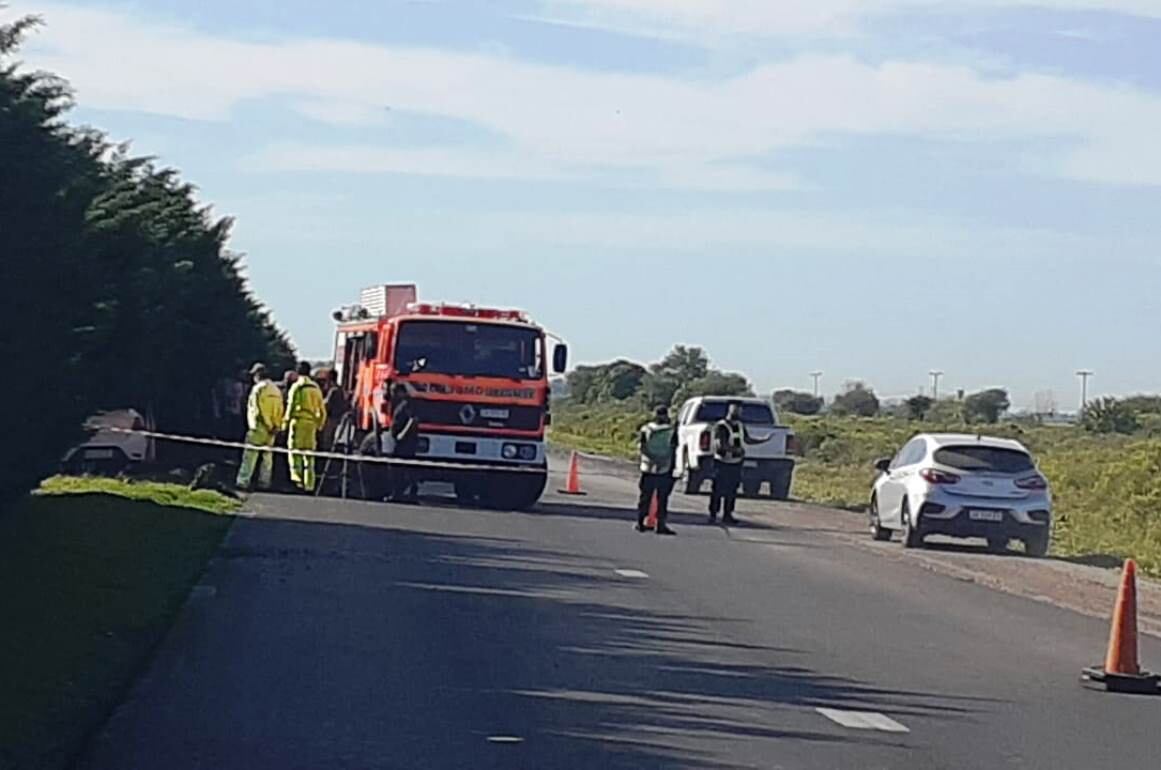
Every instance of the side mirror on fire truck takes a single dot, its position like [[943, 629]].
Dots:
[[560, 359]]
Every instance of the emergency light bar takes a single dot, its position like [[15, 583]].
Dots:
[[466, 311]]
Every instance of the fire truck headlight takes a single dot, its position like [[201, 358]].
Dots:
[[510, 451], [528, 452]]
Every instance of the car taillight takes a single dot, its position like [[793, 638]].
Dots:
[[933, 476], [1033, 482], [792, 445], [704, 441]]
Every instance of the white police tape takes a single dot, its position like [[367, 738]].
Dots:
[[354, 458]]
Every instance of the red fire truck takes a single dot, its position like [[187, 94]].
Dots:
[[479, 379]]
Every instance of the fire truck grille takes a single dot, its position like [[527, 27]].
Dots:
[[480, 416]]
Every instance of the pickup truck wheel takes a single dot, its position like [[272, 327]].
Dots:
[[780, 485], [692, 476]]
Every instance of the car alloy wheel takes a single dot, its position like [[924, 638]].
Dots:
[[878, 531]]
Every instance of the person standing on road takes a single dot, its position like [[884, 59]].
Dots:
[[263, 418], [405, 431], [305, 414], [729, 445], [336, 404], [657, 444]]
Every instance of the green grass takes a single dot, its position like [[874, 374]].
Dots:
[[92, 573], [154, 492], [1107, 488]]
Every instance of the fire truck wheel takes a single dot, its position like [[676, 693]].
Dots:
[[468, 493], [516, 492], [376, 481]]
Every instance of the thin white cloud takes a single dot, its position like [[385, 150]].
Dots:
[[430, 161], [472, 163], [721, 20], [561, 121], [873, 234]]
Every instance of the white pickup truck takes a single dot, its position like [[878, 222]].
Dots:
[[767, 463]]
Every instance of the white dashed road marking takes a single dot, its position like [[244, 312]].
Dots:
[[509, 739], [863, 720], [636, 574]]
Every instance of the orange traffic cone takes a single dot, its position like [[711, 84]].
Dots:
[[573, 487], [1122, 670], [651, 519]]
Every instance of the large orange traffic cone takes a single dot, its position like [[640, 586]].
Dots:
[[651, 519], [1122, 670], [572, 486]]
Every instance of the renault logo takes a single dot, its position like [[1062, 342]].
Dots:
[[468, 414]]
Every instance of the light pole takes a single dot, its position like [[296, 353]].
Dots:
[[817, 376], [1084, 374], [935, 375]]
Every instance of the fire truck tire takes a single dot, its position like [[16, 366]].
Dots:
[[375, 476], [468, 493], [515, 492]]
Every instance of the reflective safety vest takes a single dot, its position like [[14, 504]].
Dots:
[[304, 403], [731, 450], [657, 448], [264, 407]]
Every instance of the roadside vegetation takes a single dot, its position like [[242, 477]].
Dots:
[[1105, 471], [92, 574], [119, 289]]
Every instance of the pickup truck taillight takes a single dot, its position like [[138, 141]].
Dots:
[[792, 445], [703, 441]]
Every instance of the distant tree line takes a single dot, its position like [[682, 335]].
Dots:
[[684, 373], [117, 288]]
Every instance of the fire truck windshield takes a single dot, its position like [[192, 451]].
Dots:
[[469, 349]]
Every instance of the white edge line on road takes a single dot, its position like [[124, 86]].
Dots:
[[636, 574], [505, 739], [863, 720]]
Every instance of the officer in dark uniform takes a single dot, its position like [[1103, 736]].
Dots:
[[729, 446]]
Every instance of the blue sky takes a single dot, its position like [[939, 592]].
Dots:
[[870, 188]]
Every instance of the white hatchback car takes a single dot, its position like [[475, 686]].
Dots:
[[963, 486]]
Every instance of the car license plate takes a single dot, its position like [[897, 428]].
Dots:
[[751, 463], [494, 414], [986, 515], [98, 454]]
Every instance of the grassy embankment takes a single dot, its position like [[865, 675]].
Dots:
[[92, 574], [1107, 488]]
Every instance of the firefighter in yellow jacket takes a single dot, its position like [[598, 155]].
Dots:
[[263, 419], [305, 415]]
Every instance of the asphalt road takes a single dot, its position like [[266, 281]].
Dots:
[[336, 634]]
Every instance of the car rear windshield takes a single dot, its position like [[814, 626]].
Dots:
[[752, 414], [984, 458]]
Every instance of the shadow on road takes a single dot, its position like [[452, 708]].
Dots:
[[355, 645], [628, 514]]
